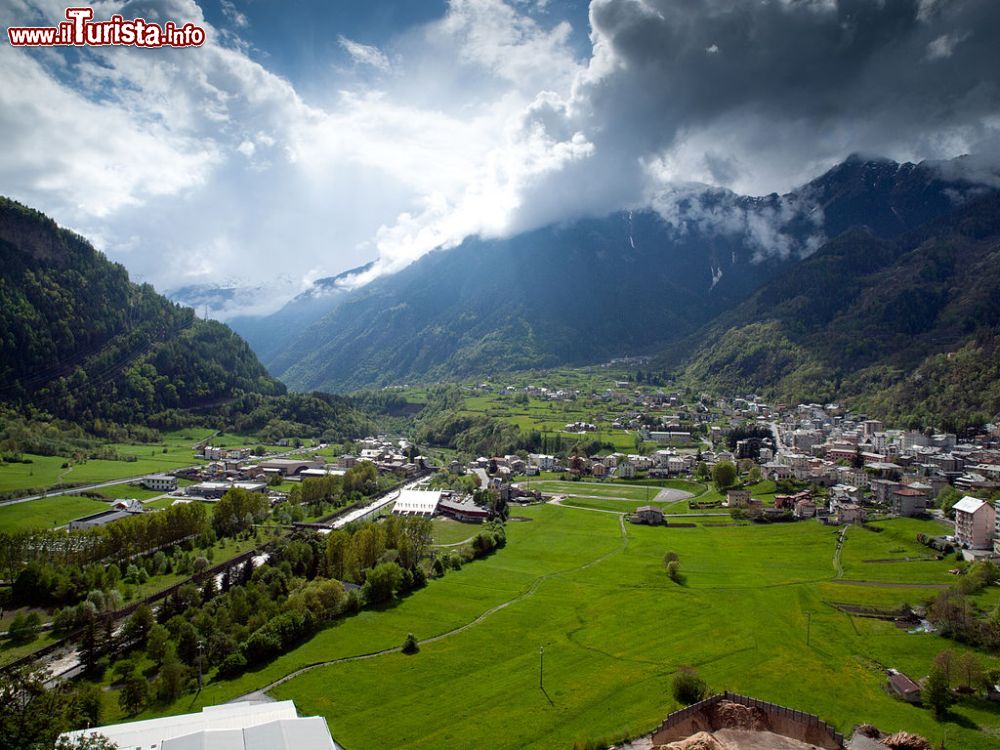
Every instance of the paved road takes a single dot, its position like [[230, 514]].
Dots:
[[484, 478]]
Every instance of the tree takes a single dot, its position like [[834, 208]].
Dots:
[[688, 686], [134, 695], [24, 627], [86, 742], [173, 677], [969, 671], [137, 627], [382, 583], [724, 475], [674, 571], [157, 643], [30, 715], [238, 510], [936, 692]]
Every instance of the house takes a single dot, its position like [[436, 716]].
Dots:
[[648, 514], [788, 502], [775, 471], [975, 520], [599, 469], [625, 470], [738, 498], [849, 513], [804, 508], [159, 482], [908, 501], [903, 687], [233, 726]]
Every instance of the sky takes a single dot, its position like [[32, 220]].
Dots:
[[308, 137]]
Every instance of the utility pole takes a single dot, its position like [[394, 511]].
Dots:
[[541, 667]]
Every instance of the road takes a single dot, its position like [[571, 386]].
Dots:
[[375, 505]]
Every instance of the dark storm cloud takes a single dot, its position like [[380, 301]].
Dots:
[[898, 63], [761, 96]]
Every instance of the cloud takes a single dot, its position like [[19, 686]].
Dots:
[[233, 14], [205, 166], [364, 54]]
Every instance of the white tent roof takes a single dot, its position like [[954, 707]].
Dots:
[[417, 502], [232, 726]]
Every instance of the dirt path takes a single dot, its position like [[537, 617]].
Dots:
[[532, 588], [455, 544]]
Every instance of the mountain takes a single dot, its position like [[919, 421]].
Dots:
[[628, 283], [269, 335], [81, 341], [908, 328]]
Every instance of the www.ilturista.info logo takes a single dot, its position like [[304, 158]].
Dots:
[[79, 30]]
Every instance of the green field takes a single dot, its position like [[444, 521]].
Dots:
[[48, 512], [448, 531], [615, 630]]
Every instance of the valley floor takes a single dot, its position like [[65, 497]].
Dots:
[[754, 616]]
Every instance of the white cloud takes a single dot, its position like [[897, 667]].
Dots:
[[202, 165], [944, 46], [364, 54], [233, 14]]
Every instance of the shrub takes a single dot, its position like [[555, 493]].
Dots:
[[688, 686], [410, 645]]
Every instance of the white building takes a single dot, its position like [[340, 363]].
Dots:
[[416, 503], [975, 522], [159, 482], [232, 726]]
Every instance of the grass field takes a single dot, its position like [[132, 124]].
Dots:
[[615, 630], [47, 512], [449, 531]]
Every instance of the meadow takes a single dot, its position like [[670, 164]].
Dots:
[[754, 609], [48, 512]]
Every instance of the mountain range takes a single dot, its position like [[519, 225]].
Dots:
[[669, 281], [878, 282]]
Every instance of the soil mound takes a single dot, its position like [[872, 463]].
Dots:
[[737, 716]]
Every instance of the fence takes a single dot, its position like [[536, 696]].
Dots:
[[787, 721]]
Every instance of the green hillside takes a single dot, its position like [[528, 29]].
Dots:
[[907, 327]]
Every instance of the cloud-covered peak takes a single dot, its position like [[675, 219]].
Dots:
[[205, 165]]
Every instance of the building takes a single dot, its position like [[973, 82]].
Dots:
[[463, 510], [215, 490], [416, 503], [648, 514], [738, 498], [232, 726], [804, 509], [975, 522], [159, 482], [909, 501], [287, 467], [903, 687], [625, 470], [849, 513], [103, 518]]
